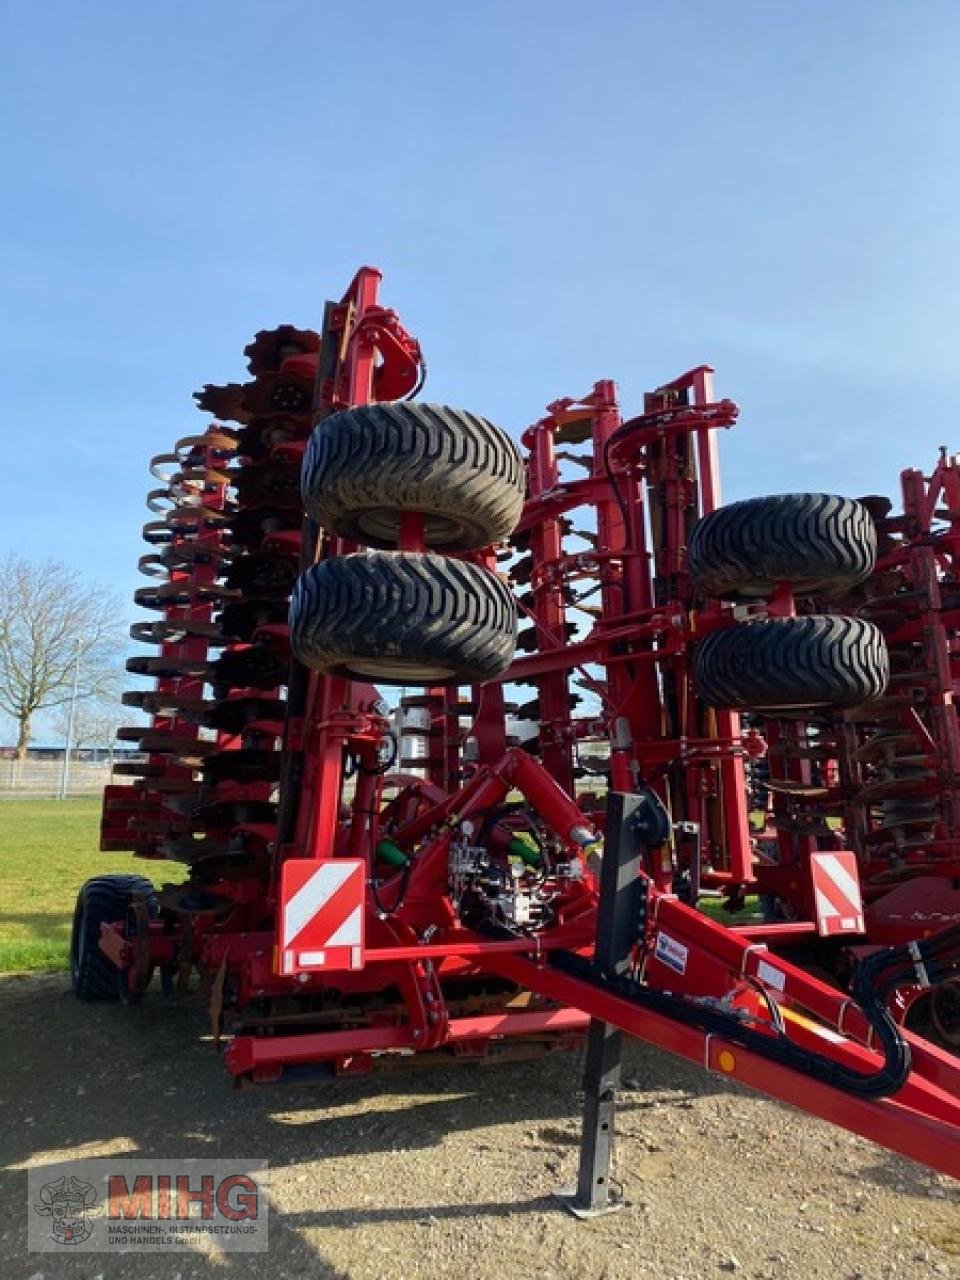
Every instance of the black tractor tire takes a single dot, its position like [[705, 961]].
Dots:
[[821, 544], [403, 618], [103, 899], [821, 660], [365, 466]]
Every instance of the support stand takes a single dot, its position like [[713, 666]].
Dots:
[[595, 1193], [634, 824]]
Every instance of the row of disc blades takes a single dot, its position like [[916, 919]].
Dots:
[[224, 540]]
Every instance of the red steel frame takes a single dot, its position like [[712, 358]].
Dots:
[[887, 775], [430, 982], [912, 872]]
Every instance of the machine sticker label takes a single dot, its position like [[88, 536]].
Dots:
[[836, 891], [671, 953], [321, 914], [771, 976]]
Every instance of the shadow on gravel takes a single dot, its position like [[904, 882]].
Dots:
[[347, 1219], [103, 1079], [92, 1073], [903, 1176]]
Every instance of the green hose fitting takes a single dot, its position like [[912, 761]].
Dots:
[[392, 854], [526, 853]]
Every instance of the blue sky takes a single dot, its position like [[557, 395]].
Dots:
[[555, 191]]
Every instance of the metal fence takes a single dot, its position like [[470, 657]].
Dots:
[[33, 777]]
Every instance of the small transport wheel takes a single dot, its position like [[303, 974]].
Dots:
[[821, 544], [403, 618], [101, 900], [366, 466], [782, 663]]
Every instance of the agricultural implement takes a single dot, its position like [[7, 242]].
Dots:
[[453, 740]]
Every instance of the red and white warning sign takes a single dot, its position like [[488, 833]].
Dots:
[[836, 888], [321, 914]]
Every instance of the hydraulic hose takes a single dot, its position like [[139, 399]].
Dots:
[[874, 979]]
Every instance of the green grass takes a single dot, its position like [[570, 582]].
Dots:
[[715, 909], [47, 849]]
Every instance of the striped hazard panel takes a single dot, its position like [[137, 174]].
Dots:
[[836, 889], [321, 914]]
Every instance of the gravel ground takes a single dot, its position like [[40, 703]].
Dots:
[[450, 1172]]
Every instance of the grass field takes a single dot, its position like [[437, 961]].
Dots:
[[47, 849]]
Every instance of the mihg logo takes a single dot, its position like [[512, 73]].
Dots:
[[136, 1204], [69, 1204]]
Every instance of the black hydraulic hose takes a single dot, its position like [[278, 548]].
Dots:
[[890, 1077], [618, 490], [384, 766], [936, 959], [872, 984], [942, 946], [421, 379], [492, 816], [400, 894]]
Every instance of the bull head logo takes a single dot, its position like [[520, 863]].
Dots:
[[69, 1204]]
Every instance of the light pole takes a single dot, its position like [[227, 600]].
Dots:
[[65, 769]]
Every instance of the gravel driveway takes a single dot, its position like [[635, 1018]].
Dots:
[[450, 1172]]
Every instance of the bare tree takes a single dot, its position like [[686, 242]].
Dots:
[[95, 722], [53, 627]]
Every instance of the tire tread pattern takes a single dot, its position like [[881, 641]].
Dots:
[[416, 607], [405, 456], [101, 899], [819, 660], [819, 542]]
